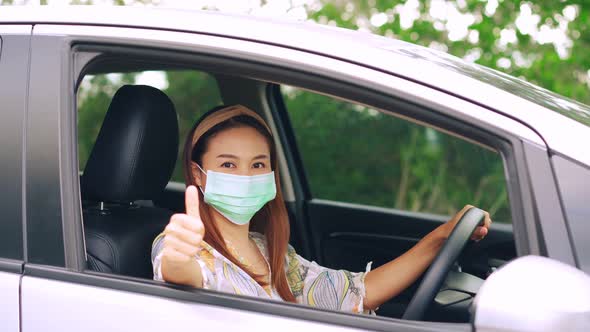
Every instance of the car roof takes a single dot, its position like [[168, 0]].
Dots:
[[546, 112]]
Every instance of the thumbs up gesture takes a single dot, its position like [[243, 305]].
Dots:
[[182, 241]]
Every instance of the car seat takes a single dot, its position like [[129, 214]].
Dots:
[[129, 166]]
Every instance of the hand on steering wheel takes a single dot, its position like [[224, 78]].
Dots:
[[480, 232], [465, 226]]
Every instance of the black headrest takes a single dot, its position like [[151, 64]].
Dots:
[[136, 148]]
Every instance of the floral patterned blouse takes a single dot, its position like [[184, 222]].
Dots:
[[310, 283]]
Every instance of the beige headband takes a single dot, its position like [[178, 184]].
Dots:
[[224, 114]]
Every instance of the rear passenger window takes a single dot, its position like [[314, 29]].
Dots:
[[192, 92], [355, 154]]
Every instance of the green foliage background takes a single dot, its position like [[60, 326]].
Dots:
[[396, 163], [529, 56]]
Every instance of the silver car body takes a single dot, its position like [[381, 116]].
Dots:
[[397, 68], [9, 301]]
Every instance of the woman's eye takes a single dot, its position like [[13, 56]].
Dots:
[[259, 165], [227, 164]]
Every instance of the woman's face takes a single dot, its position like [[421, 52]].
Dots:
[[239, 151]]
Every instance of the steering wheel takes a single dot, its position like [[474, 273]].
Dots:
[[438, 270]]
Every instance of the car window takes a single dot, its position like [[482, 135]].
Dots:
[[13, 83], [192, 92], [356, 154]]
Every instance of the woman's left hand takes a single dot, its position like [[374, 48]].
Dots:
[[479, 233]]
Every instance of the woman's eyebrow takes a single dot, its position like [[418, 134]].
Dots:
[[227, 156], [260, 156], [231, 156]]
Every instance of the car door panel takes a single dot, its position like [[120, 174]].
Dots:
[[336, 223], [388, 232], [91, 308], [9, 301], [55, 299]]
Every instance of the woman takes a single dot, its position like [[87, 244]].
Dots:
[[230, 156]]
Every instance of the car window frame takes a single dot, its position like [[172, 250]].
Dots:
[[232, 61], [14, 62], [569, 173], [51, 218]]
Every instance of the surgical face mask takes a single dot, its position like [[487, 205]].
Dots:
[[238, 197]]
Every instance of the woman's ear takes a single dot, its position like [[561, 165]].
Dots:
[[196, 173]]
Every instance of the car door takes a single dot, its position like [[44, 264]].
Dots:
[[14, 53], [57, 291]]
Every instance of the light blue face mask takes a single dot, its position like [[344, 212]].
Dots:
[[238, 197]]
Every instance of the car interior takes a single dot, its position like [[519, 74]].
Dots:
[[131, 182]]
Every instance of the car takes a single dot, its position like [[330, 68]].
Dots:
[[378, 141]]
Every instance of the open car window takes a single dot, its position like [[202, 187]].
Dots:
[[351, 154]]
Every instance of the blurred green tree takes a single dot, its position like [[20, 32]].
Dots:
[[544, 42]]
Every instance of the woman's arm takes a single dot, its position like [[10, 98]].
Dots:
[[391, 279]]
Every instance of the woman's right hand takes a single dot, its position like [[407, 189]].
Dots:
[[182, 241]]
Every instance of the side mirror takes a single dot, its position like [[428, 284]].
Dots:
[[534, 293]]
